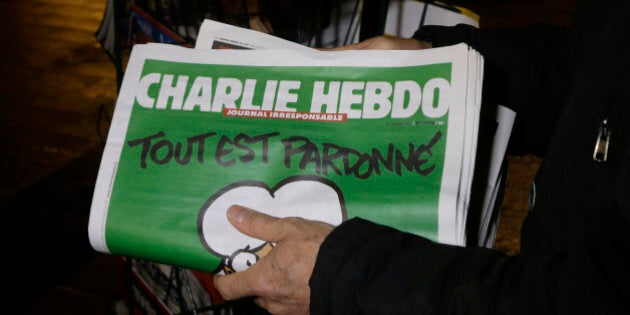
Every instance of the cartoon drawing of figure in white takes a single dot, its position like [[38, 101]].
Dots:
[[309, 197]]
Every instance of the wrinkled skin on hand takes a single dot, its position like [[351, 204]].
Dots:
[[279, 280], [386, 42]]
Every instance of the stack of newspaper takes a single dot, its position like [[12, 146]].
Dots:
[[389, 136]]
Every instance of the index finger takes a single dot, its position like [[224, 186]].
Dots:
[[256, 224]]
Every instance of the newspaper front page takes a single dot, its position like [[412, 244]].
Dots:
[[384, 135]]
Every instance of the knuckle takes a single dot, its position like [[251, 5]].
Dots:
[[293, 222]]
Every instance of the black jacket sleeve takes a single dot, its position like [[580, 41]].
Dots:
[[365, 268]]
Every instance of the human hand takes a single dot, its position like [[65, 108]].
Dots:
[[386, 42], [279, 280]]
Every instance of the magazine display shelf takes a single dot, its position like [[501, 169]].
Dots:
[[129, 22]]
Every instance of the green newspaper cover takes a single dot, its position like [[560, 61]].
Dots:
[[328, 136]]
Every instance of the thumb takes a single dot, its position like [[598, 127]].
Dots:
[[255, 224]]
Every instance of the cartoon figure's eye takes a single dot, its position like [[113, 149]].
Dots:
[[242, 260]]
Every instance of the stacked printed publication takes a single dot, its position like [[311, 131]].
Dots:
[[247, 118]]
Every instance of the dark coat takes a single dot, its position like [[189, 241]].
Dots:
[[564, 85]]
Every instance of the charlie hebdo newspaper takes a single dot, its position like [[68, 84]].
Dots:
[[389, 136]]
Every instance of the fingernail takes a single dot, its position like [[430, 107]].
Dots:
[[237, 213]]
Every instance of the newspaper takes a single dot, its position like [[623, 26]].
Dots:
[[218, 35], [389, 136]]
